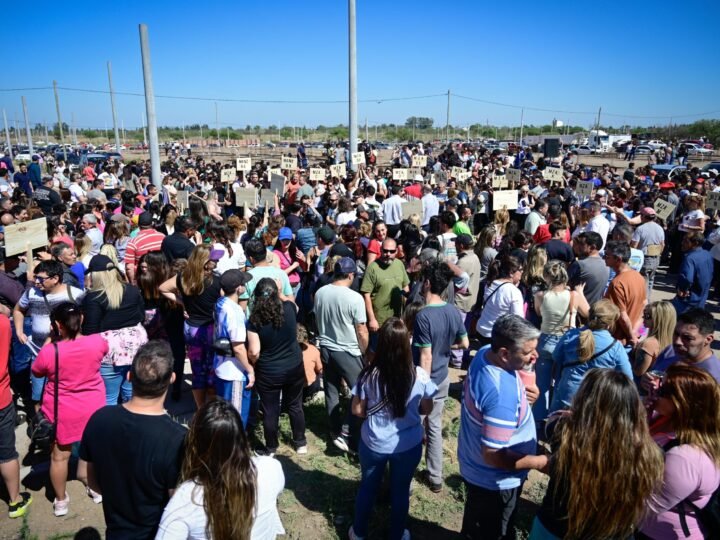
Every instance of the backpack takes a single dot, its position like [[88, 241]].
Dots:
[[708, 516]]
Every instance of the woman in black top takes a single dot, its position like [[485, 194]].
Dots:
[[197, 288], [116, 310], [276, 355]]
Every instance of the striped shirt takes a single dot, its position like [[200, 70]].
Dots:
[[147, 240]]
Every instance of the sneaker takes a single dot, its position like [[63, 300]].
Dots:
[[260, 452], [435, 487], [60, 508], [301, 450], [18, 509], [94, 495]]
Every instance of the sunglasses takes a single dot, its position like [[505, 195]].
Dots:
[[40, 279], [389, 250]]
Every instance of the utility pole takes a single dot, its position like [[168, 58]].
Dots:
[[112, 105], [72, 128], [183, 134], [367, 137], [122, 123], [60, 125], [17, 132], [597, 129], [8, 142], [447, 120], [217, 124], [413, 129], [27, 126], [522, 125], [352, 76], [142, 124], [150, 106]]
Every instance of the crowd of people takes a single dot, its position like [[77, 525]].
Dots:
[[331, 290]]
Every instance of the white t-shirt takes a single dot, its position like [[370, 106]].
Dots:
[[599, 225], [184, 516], [507, 300], [691, 219], [344, 218], [229, 323], [227, 262], [76, 192]]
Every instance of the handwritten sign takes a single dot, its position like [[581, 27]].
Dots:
[[17, 237], [338, 171], [228, 175], [183, 200], [455, 171], [419, 161], [267, 198], [317, 174], [412, 207], [243, 164], [664, 209], [288, 163], [400, 174], [554, 174], [712, 201], [246, 196], [499, 181], [585, 188], [358, 158], [513, 175], [463, 176], [505, 199], [277, 184]]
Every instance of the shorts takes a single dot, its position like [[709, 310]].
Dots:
[[200, 353], [235, 393], [8, 452]]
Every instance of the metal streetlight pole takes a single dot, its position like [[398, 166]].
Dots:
[[150, 106]]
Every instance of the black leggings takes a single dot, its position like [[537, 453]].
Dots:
[[289, 387]]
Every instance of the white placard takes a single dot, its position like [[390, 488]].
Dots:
[[183, 199], [712, 201], [243, 164], [400, 174], [455, 171], [339, 170], [513, 175], [664, 209], [358, 158], [288, 163], [499, 180], [585, 188], [463, 176], [317, 174], [554, 174], [273, 171], [18, 236], [505, 199], [433, 179], [412, 207], [419, 161], [277, 183], [245, 196], [228, 175]]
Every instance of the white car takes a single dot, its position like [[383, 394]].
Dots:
[[23, 157], [584, 149], [644, 149], [697, 150], [656, 144]]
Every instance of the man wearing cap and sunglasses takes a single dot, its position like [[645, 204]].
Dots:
[[650, 238]]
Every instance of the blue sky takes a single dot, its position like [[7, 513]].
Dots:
[[634, 59]]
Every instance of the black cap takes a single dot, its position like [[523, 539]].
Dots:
[[145, 219], [232, 279], [101, 263]]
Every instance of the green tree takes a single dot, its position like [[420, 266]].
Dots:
[[419, 122], [403, 134]]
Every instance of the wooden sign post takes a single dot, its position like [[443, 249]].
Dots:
[[28, 234]]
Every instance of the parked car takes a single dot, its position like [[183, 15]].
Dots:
[[584, 149], [669, 170], [697, 150], [25, 156], [712, 165], [644, 149], [655, 144]]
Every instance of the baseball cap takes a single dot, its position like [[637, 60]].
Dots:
[[464, 240], [647, 211], [419, 178], [667, 185], [285, 234], [326, 234], [145, 219], [216, 254], [343, 250], [101, 263], [232, 279], [345, 266]]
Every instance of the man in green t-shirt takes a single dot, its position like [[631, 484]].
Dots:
[[383, 287]]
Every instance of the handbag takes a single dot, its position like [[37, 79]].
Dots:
[[41, 430], [221, 345]]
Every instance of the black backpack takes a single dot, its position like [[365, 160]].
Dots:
[[708, 516]]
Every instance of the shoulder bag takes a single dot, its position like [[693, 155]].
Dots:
[[41, 430]]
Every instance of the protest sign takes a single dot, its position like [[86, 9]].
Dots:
[[243, 163], [273, 171], [554, 174], [513, 175], [245, 196], [463, 176], [228, 175], [267, 198], [505, 199], [585, 188], [339, 170], [455, 171], [277, 183], [400, 174], [664, 209], [712, 201], [33, 233], [433, 179], [412, 207], [419, 161], [413, 171], [317, 174], [358, 158], [182, 200], [288, 163], [499, 181]]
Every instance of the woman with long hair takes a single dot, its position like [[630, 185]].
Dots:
[[234, 255], [117, 234], [581, 349], [197, 288], [115, 310], [225, 492], [391, 394], [501, 220], [659, 319], [604, 464], [500, 296], [484, 249], [380, 232], [533, 280], [275, 353], [80, 391], [291, 259], [689, 401], [168, 215]]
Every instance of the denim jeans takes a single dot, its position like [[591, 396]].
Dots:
[[116, 383], [543, 375], [648, 271], [402, 468]]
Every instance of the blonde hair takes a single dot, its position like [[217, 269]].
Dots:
[[535, 266], [83, 245], [110, 252], [365, 229], [109, 284], [414, 219], [664, 319], [603, 316], [554, 273], [193, 276], [502, 217]]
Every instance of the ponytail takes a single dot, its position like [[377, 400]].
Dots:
[[586, 346], [603, 316]]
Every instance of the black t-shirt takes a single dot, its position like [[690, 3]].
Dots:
[[201, 307], [177, 246], [294, 222], [559, 250], [137, 459], [46, 198], [99, 318], [279, 350]]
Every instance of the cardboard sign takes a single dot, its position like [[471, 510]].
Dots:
[[358, 158], [585, 188], [419, 161], [288, 163], [243, 164], [339, 170], [246, 196], [412, 207], [317, 174], [18, 236], [505, 199], [499, 181], [664, 209], [228, 175], [267, 198], [712, 201], [183, 199], [273, 171], [433, 179], [400, 174], [277, 183], [554, 174], [463, 176], [455, 171], [513, 175]]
